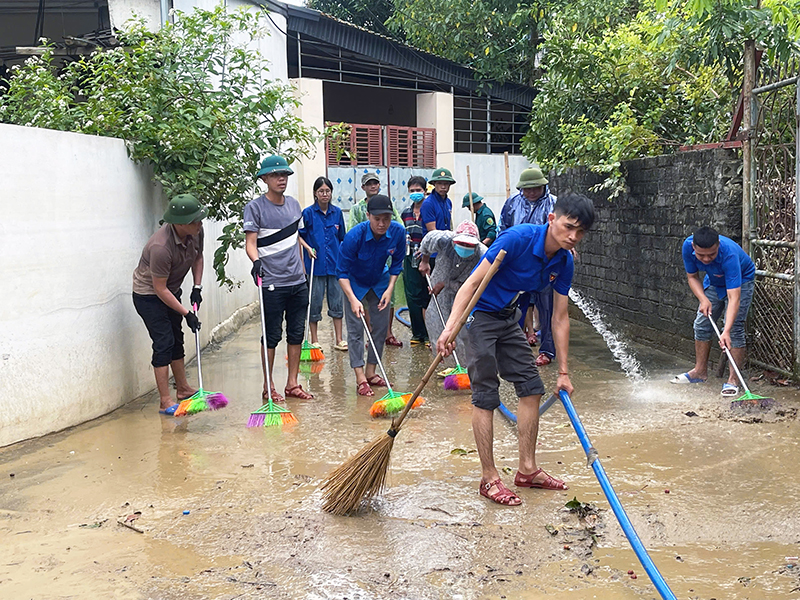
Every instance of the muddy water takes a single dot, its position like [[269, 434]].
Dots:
[[255, 530]]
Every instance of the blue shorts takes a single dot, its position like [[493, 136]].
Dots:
[[702, 327]]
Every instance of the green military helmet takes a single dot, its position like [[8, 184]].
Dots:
[[274, 164], [442, 174], [475, 199], [184, 209], [531, 177]]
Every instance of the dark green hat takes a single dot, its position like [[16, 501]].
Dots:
[[475, 199], [274, 164], [442, 174], [531, 177], [184, 209]]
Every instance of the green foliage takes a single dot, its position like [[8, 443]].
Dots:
[[364, 13], [617, 93], [193, 100]]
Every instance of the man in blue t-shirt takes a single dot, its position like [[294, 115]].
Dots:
[[537, 256], [730, 276], [364, 277], [437, 208]]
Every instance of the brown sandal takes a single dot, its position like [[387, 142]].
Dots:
[[276, 397], [503, 495], [393, 341], [298, 392], [377, 381], [364, 389], [548, 483]]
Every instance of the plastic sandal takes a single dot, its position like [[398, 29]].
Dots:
[[548, 483], [276, 397], [341, 346], [729, 390], [170, 412], [393, 341], [298, 392], [376, 380], [503, 495], [364, 389], [684, 378], [543, 360]]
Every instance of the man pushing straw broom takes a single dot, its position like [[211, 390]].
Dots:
[[536, 256]]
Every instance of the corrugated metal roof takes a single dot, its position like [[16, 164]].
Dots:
[[356, 39]]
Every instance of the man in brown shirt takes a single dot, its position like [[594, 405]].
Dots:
[[166, 259]]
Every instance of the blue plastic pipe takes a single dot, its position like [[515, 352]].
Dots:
[[542, 409], [397, 316], [611, 496]]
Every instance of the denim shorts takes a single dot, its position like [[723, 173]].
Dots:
[[702, 327], [326, 285]]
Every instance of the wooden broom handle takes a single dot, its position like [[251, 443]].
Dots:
[[396, 422]]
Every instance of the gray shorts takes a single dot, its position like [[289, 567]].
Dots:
[[498, 347]]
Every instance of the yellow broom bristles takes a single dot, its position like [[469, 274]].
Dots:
[[360, 478]]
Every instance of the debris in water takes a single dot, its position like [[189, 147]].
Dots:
[[630, 572], [691, 413], [633, 576], [186, 512], [666, 491]]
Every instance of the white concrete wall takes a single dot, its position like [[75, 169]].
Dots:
[[435, 109], [121, 11], [75, 213], [487, 172], [309, 94]]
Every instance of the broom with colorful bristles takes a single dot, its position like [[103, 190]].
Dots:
[[201, 400], [270, 414], [457, 378], [309, 351], [748, 399], [392, 402], [364, 475]]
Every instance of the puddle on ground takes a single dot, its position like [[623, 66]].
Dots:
[[254, 528]]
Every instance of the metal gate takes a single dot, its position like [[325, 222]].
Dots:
[[772, 227]]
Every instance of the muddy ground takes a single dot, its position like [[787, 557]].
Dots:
[[97, 511]]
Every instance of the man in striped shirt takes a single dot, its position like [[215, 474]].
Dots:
[[271, 223]]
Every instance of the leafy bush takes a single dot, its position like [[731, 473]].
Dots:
[[193, 100]]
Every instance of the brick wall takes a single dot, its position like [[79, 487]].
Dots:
[[630, 263]]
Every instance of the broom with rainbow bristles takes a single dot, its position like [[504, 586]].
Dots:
[[309, 351], [201, 400], [457, 378], [392, 402], [270, 414]]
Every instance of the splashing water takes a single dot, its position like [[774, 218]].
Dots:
[[619, 349]]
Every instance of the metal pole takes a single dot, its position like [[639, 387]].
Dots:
[[797, 233], [747, 150]]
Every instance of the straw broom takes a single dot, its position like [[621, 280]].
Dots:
[[364, 475]]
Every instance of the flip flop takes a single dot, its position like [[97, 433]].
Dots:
[[729, 390], [341, 346], [684, 379], [170, 412]]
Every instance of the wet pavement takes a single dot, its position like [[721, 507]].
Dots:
[[254, 528]]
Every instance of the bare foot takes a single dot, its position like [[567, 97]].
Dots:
[[187, 392]]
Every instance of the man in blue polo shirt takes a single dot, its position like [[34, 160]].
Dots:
[[437, 208], [537, 256], [365, 277], [730, 276]]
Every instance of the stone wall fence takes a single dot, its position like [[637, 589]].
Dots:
[[630, 263]]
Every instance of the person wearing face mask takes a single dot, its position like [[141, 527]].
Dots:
[[457, 253], [416, 288]]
